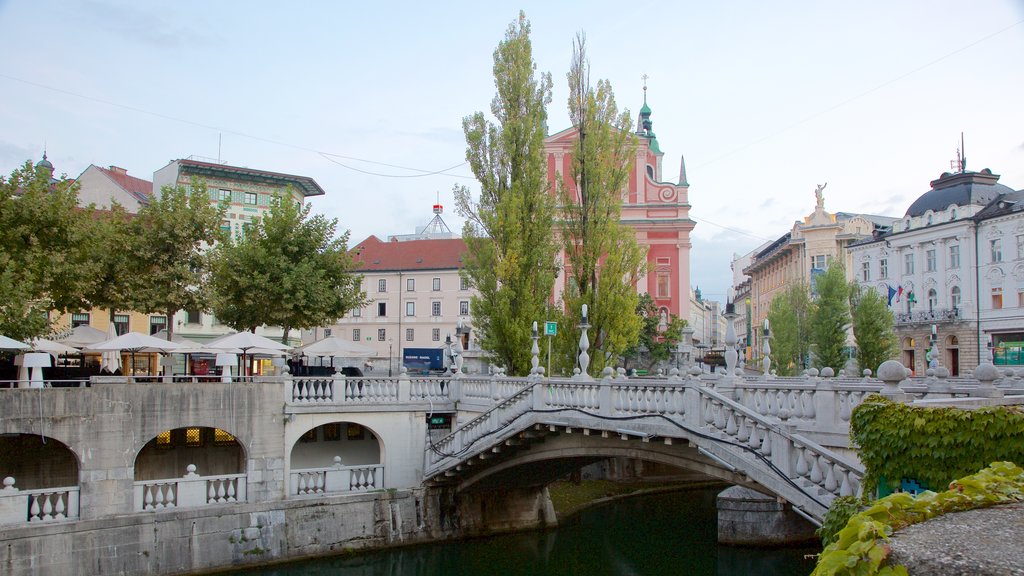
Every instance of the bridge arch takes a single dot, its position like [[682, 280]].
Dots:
[[169, 454], [336, 456], [37, 462]]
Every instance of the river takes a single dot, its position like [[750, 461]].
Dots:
[[655, 535]]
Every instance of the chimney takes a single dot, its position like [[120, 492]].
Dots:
[[118, 170]]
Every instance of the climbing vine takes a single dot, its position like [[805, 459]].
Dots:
[[861, 547], [932, 445]]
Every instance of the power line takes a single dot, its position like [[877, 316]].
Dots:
[[325, 155], [842, 103]]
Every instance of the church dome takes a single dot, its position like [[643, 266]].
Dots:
[[44, 164], [961, 189]]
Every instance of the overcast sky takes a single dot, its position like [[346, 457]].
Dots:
[[764, 99]]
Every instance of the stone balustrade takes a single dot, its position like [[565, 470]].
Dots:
[[189, 491], [39, 505], [337, 479]]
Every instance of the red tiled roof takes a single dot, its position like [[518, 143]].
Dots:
[[141, 189], [373, 254]]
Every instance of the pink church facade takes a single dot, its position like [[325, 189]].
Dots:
[[657, 211]]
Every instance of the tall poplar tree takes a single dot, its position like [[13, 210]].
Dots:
[[872, 328], [603, 260], [830, 318], [509, 232], [172, 234]]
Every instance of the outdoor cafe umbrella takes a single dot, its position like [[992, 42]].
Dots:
[[334, 346], [247, 342], [51, 347], [12, 344], [134, 342], [82, 336]]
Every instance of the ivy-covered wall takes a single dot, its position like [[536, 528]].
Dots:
[[933, 446]]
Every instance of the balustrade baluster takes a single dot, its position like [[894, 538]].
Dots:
[[744, 432], [808, 398], [231, 489], [816, 476], [759, 403], [47, 507], [801, 461], [147, 497], [58, 510], [719, 414], [752, 441], [766, 441], [731, 427], [844, 486], [830, 477], [33, 509], [844, 405]]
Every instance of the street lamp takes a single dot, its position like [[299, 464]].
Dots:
[[390, 344]]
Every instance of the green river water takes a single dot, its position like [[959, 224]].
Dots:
[[654, 535]]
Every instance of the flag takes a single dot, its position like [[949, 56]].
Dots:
[[910, 297], [899, 292], [892, 292]]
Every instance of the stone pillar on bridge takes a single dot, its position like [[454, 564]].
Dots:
[[892, 373]]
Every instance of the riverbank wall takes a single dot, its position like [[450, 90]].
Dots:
[[217, 538]]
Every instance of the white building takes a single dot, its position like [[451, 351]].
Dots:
[[954, 269]]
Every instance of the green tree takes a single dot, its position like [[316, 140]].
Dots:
[[114, 275], [658, 336], [172, 234], [830, 318], [789, 319], [44, 251], [509, 232], [872, 328], [289, 269], [603, 260]]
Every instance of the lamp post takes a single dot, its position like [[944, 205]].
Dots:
[[390, 357]]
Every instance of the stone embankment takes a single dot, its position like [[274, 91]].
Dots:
[[982, 542]]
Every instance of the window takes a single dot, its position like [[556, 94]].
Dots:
[[79, 319], [929, 260], [997, 298], [163, 439], [1020, 247], [410, 284], [332, 431], [250, 198], [327, 332], [933, 300], [463, 283], [410, 308], [193, 437], [954, 297], [818, 262], [908, 264], [865, 269], [435, 334], [464, 308], [224, 195], [382, 308], [409, 334], [356, 335], [382, 285], [437, 284], [382, 334], [996, 245], [222, 438], [662, 286], [156, 324], [1020, 298], [192, 317], [357, 312], [883, 268], [435, 308], [954, 256]]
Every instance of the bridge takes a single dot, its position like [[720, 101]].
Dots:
[[347, 462]]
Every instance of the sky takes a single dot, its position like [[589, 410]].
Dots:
[[765, 100]]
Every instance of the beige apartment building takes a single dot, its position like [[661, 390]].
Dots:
[[806, 250]]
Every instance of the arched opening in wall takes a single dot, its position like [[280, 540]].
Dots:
[[952, 355], [37, 462], [213, 452], [41, 478], [336, 457], [909, 355]]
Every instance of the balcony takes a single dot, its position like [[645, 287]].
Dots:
[[936, 316]]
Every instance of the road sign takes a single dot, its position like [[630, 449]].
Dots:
[[550, 328]]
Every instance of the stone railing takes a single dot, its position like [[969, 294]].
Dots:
[[188, 491], [38, 505], [355, 390], [336, 479]]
